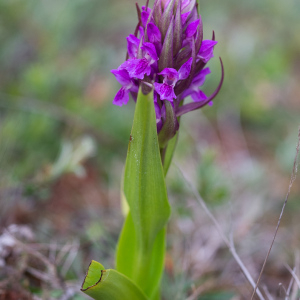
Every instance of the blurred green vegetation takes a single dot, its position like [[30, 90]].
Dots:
[[56, 88]]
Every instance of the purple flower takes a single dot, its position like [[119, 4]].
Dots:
[[132, 45], [138, 67], [128, 85], [168, 54], [206, 51], [171, 76], [193, 90]]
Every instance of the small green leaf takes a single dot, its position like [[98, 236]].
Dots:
[[101, 284]]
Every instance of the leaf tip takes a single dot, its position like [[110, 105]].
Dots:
[[93, 275]]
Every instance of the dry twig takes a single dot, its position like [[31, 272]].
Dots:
[[293, 274], [228, 243], [293, 177]]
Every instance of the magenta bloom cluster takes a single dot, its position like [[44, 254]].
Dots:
[[167, 53]]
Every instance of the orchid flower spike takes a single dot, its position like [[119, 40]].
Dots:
[[167, 52]]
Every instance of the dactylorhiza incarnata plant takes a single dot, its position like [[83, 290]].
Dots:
[[166, 62]]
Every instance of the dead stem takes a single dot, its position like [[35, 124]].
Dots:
[[293, 177], [228, 243]]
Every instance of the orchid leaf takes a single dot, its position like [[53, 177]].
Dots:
[[101, 284], [145, 269], [144, 183], [140, 252]]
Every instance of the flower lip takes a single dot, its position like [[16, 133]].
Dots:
[[170, 76], [165, 91]]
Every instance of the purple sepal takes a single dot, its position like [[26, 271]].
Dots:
[[150, 50], [145, 15], [198, 96], [153, 32], [196, 105], [192, 28], [132, 45], [193, 90], [185, 69], [199, 79], [165, 91], [154, 36], [122, 97], [206, 50], [184, 17], [122, 76], [129, 85]]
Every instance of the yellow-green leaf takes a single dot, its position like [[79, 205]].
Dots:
[[101, 284]]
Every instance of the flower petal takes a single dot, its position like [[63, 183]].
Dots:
[[193, 106], [153, 33], [198, 96], [192, 28], [122, 97], [122, 77], [185, 69], [145, 15], [149, 48], [132, 45], [199, 79], [206, 50], [184, 17]]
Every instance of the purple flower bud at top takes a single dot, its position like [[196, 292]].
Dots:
[[167, 52]]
